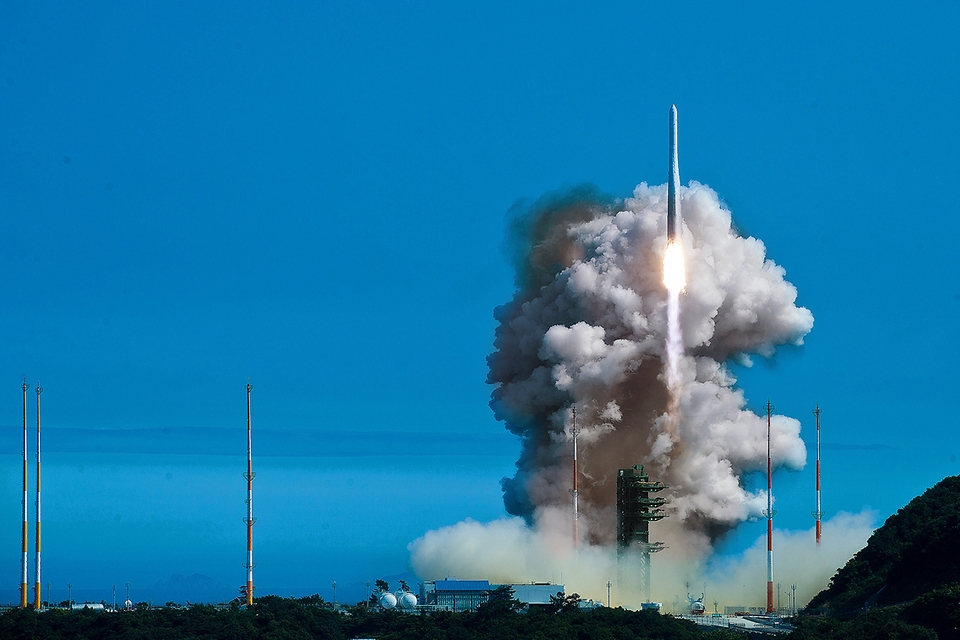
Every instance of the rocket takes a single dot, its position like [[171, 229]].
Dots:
[[673, 185]]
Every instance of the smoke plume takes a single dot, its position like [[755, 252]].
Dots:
[[587, 326]]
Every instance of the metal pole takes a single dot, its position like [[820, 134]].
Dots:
[[818, 514], [576, 486], [37, 594], [24, 561], [769, 514], [249, 475]]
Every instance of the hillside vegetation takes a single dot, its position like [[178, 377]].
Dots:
[[916, 551], [904, 584]]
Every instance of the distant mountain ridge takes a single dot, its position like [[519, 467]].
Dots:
[[267, 442], [193, 588]]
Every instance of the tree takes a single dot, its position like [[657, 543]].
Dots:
[[500, 602], [565, 604], [380, 587], [938, 609]]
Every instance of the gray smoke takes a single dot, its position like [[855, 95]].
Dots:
[[587, 327]]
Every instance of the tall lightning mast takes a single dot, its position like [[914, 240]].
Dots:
[[249, 475], [23, 573], [769, 513], [818, 514], [576, 486], [36, 586]]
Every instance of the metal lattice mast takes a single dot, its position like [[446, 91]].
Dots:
[[769, 513], [36, 591], [249, 475], [818, 514], [576, 486], [24, 561]]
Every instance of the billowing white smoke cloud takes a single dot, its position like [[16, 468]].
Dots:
[[587, 327]]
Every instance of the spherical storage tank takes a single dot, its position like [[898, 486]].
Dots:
[[408, 601], [388, 601]]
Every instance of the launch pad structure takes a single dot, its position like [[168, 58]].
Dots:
[[636, 509]]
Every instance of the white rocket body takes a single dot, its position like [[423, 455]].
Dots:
[[673, 186]]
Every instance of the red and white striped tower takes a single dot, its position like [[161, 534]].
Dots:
[[249, 475], [818, 514], [36, 586], [576, 485], [769, 513], [23, 573]]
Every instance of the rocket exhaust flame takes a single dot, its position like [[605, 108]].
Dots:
[[674, 272]]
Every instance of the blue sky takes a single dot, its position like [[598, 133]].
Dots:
[[314, 197]]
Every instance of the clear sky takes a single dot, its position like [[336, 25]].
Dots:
[[313, 196]]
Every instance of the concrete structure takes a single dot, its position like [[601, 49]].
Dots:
[[467, 595], [456, 595]]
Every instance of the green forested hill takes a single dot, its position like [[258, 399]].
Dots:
[[916, 551], [904, 584]]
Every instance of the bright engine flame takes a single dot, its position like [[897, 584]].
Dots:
[[674, 273]]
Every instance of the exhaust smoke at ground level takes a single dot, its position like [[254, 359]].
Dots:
[[509, 551]]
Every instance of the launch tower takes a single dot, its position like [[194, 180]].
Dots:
[[636, 509]]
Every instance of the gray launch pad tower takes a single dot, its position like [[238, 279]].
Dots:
[[635, 511]]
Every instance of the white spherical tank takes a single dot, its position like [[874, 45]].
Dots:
[[408, 601], [388, 601]]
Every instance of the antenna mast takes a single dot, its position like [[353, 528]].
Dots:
[[23, 573], [769, 513], [818, 514], [576, 487], [249, 475], [36, 596]]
